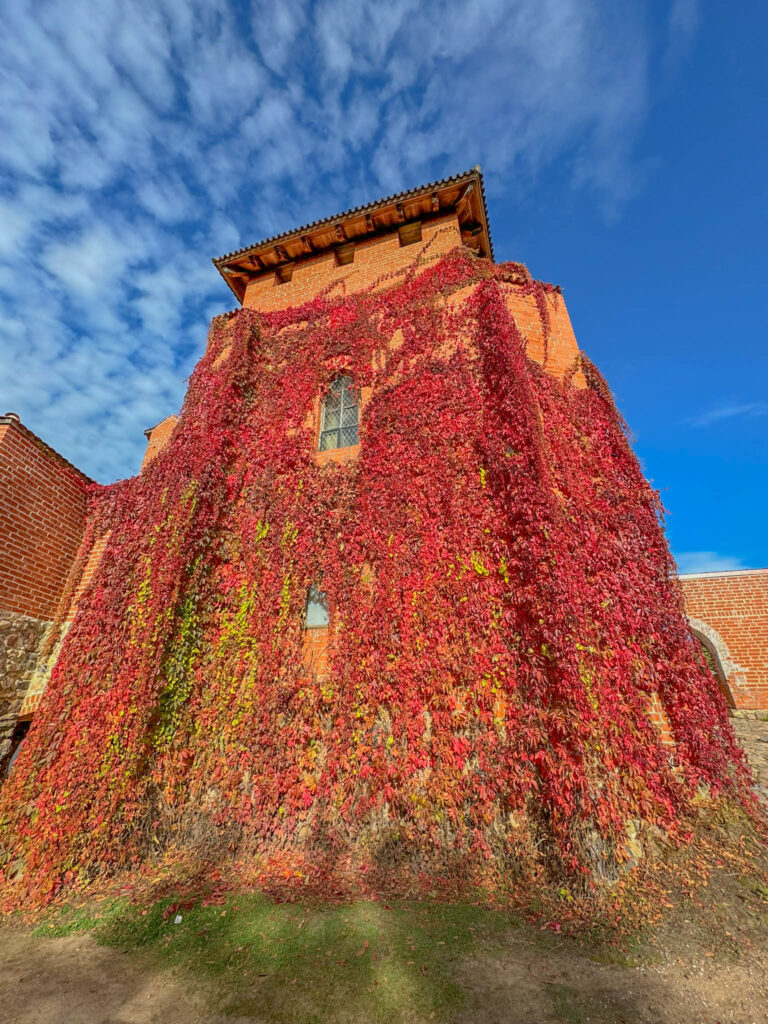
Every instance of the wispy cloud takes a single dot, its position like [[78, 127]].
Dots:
[[707, 561], [747, 410], [683, 23], [142, 141]]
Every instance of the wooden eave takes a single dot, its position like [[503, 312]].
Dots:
[[463, 194]]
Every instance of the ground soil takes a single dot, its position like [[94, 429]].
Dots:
[[753, 736], [524, 979], [706, 963]]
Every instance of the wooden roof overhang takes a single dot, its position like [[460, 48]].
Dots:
[[463, 194]]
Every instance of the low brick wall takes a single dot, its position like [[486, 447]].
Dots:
[[728, 612]]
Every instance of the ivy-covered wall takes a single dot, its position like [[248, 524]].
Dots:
[[506, 627]]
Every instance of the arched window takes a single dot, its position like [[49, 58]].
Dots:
[[340, 415], [317, 608]]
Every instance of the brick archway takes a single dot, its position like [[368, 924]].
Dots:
[[724, 666]]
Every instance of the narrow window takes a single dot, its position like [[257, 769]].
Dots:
[[340, 416], [317, 607]]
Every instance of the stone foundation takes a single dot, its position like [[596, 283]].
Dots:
[[20, 640]]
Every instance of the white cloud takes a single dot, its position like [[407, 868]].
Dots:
[[15, 224], [746, 410], [707, 561], [88, 264], [275, 28], [683, 23], [140, 140], [167, 200]]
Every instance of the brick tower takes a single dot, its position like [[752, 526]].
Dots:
[[390, 590], [44, 498]]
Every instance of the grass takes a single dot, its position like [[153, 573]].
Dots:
[[289, 962], [413, 961], [78, 920]]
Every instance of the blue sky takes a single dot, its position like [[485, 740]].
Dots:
[[624, 148]]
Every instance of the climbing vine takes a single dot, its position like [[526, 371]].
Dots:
[[504, 613]]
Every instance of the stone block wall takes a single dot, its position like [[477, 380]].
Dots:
[[20, 640]]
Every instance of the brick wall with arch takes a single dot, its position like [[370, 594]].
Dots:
[[728, 613]]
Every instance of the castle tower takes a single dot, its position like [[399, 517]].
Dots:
[[375, 246], [390, 594]]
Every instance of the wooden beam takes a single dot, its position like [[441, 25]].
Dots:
[[368, 222], [435, 202], [465, 196], [306, 241], [400, 213], [341, 234], [471, 234], [281, 252]]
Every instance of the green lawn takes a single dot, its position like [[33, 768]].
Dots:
[[288, 962]]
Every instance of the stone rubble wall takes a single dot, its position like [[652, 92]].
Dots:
[[20, 639]]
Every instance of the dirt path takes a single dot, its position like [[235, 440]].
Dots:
[[525, 988], [75, 980]]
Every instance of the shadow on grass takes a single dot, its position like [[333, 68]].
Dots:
[[367, 961], [251, 959]]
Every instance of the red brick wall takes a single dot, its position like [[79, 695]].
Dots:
[[42, 518], [382, 262], [158, 437], [375, 259], [316, 651], [659, 718], [90, 567], [556, 347], [733, 609]]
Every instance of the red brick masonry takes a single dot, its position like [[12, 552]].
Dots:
[[42, 518], [729, 613]]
